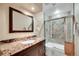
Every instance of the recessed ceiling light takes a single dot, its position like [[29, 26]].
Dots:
[[56, 12], [33, 8]]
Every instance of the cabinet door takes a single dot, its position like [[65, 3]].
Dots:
[[41, 49], [69, 48], [37, 50]]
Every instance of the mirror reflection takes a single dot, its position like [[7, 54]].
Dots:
[[20, 21]]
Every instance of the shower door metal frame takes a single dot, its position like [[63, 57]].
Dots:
[[57, 19], [73, 19]]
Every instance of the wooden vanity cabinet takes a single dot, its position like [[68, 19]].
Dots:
[[35, 50], [69, 49]]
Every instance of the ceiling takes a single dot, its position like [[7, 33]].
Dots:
[[48, 7], [62, 7], [37, 7]]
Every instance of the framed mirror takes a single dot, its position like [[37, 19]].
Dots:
[[20, 22]]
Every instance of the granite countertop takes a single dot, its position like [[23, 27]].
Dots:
[[7, 49]]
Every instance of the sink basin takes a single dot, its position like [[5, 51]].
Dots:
[[28, 42]]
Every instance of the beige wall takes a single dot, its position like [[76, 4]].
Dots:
[[4, 23]]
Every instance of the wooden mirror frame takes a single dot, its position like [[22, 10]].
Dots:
[[11, 21]]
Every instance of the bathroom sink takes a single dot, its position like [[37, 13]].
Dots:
[[28, 42]]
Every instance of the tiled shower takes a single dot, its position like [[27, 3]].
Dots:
[[58, 28]]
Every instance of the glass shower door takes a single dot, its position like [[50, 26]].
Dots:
[[54, 31], [55, 36], [60, 33]]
